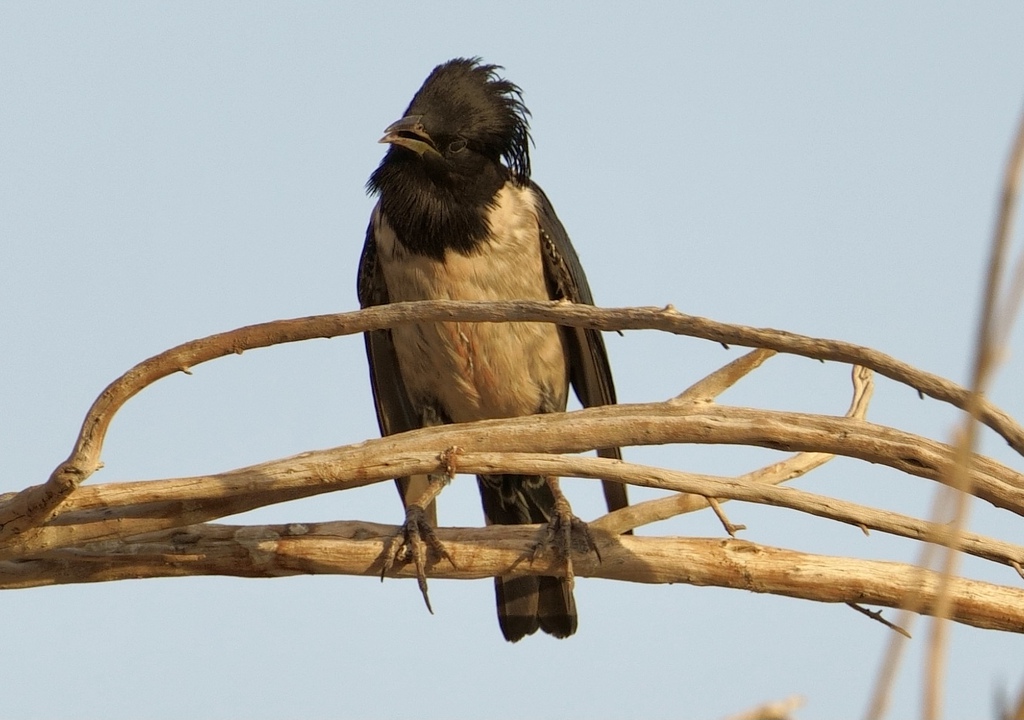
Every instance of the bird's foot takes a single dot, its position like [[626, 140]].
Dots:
[[416, 542], [565, 533]]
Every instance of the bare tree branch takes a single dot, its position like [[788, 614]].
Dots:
[[356, 548], [36, 504], [126, 509]]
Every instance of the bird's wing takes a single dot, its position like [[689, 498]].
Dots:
[[395, 412], [589, 371]]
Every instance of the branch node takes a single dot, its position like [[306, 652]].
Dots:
[[729, 527], [447, 458]]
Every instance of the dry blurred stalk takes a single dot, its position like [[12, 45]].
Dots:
[[1014, 711], [781, 710], [989, 346], [994, 326]]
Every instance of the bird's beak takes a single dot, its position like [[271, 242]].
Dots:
[[409, 133]]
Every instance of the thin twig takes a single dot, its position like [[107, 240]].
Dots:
[[729, 527], [877, 616], [710, 387]]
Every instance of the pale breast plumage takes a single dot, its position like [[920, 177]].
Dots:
[[476, 371]]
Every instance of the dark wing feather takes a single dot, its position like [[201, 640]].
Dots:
[[589, 370], [395, 412]]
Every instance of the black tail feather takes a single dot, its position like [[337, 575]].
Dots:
[[526, 603]]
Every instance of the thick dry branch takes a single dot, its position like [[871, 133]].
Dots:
[[34, 505], [126, 509], [356, 548], [701, 485]]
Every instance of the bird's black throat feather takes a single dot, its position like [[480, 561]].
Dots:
[[432, 211]]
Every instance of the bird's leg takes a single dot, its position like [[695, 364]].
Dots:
[[562, 529], [417, 535]]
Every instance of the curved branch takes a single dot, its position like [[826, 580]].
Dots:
[[36, 504], [356, 548], [127, 509]]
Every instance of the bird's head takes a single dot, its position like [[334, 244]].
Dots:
[[464, 118]]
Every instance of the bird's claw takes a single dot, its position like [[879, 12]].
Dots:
[[565, 532], [412, 543]]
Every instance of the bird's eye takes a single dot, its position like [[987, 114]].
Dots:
[[457, 146]]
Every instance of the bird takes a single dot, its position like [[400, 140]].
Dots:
[[458, 217]]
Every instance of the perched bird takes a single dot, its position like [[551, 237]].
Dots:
[[459, 218]]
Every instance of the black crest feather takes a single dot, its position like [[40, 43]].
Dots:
[[467, 94]]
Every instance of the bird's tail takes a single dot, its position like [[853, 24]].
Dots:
[[526, 603]]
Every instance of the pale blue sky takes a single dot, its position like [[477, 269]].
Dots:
[[170, 170]]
